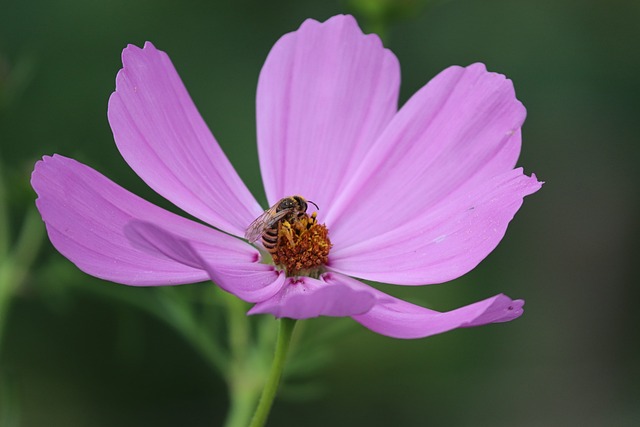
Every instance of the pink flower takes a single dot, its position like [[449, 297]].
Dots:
[[413, 196]]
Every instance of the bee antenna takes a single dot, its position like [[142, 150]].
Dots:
[[313, 204]]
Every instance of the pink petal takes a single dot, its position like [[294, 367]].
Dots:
[[325, 93], [399, 319], [86, 215], [250, 281], [162, 137], [304, 297], [438, 245], [461, 129]]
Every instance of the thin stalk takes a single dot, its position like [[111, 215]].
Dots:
[[239, 327], [243, 378], [273, 381]]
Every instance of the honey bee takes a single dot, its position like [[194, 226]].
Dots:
[[266, 225]]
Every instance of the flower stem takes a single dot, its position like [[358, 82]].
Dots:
[[243, 379], [271, 387]]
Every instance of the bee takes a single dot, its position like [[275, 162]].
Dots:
[[266, 225]]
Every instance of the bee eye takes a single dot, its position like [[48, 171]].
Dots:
[[285, 204]]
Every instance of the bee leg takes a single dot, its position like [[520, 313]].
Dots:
[[288, 232]]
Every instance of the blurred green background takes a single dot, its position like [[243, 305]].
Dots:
[[75, 354]]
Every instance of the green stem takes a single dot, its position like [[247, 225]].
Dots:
[[242, 403], [239, 327], [242, 378], [271, 387]]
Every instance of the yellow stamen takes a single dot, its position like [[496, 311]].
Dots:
[[303, 246]]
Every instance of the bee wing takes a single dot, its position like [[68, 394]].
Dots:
[[255, 229], [264, 221]]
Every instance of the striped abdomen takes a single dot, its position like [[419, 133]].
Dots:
[[270, 238]]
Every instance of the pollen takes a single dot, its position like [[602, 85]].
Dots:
[[303, 246]]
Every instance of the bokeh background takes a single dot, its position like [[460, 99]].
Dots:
[[80, 352]]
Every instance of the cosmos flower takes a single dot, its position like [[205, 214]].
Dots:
[[411, 196]]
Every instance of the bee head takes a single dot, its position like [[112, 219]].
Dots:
[[297, 203], [300, 203], [289, 203]]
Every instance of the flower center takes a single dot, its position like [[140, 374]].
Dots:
[[303, 245]]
